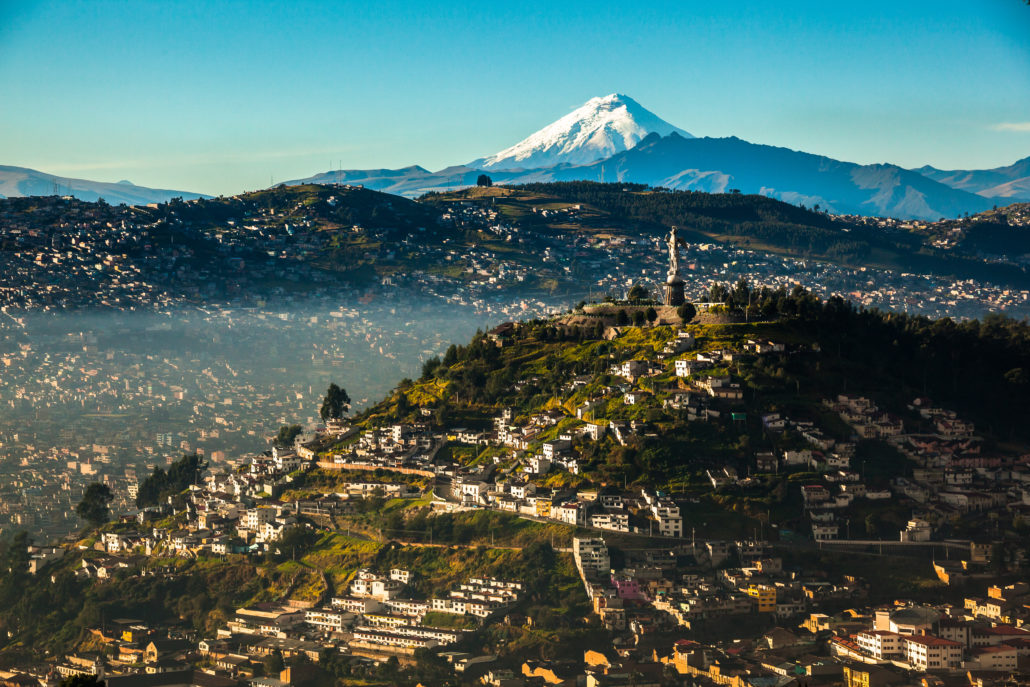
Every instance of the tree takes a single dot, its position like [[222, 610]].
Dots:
[[336, 403], [637, 293], [93, 508], [294, 542], [1017, 377], [450, 356], [687, 312], [718, 293], [429, 367], [286, 435], [82, 681], [622, 318], [484, 180], [273, 663], [14, 558], [651, 314], [638, 318], [403, 405]]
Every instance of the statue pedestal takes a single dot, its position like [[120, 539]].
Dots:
[[674, 292]]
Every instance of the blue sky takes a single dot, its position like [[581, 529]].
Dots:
[[221, 97]]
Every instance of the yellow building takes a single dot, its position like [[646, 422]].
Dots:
[[868, 676], [764, 596], [543, 508]]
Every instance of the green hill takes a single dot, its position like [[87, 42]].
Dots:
[[976, 367]]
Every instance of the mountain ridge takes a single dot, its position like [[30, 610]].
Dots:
[[614, 139], [17, 182], [717, 164], [714, 165], [1009, 182]]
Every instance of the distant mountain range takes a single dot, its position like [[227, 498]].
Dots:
[[718, 165], [715, 165], [1010, 183], [16, 182], [614, 138]]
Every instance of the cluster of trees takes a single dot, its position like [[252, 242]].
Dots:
[[639, 317], [286, 436], [997, 237], [161, 484], [446, 528], [82, 681], [14, 567], [34, 609], [295, 542], [481, 375], [763, 303], [981, 368]]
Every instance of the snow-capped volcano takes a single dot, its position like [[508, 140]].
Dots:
[[600, 128]]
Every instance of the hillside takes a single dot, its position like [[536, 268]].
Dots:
[[763, 223], [977, 368], [248, 247], [1001, 233], [467, 245], [763, 387], [669, 431]]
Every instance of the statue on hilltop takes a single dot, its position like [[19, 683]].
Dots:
[[674, 259], [673, 282]]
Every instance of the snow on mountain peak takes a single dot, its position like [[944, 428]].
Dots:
[[598, 129]]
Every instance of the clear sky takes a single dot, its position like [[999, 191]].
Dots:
[[221, 97]]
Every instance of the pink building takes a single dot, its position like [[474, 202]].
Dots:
[[627, 588]]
